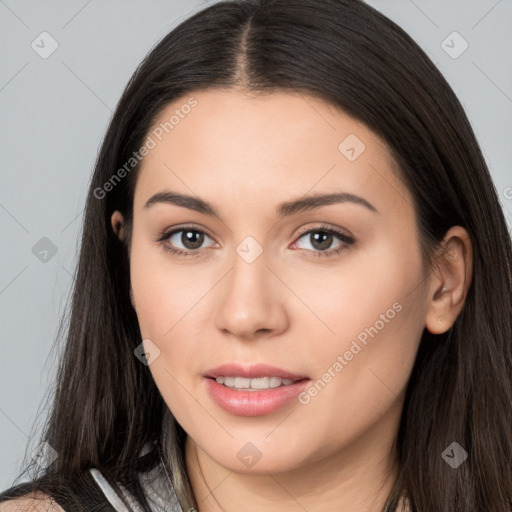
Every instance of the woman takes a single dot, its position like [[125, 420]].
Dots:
[[294, 285]]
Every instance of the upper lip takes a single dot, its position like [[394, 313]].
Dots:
[[252, 372]]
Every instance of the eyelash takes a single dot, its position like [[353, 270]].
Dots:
[[347, 241]]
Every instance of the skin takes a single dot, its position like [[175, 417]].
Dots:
[[33, 502], [246, 154]]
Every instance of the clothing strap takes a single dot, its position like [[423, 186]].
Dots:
[[157, 488]]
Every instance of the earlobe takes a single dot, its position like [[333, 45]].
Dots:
[[117, 222], [450, 281]]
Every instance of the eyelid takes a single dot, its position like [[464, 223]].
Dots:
[[176, 229], [325, 227]]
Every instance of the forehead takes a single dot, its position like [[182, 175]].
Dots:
[[261, 146]]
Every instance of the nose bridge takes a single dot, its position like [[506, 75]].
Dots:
[[249, 300], [249, 276]]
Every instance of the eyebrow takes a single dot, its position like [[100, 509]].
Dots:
[[285, 209]]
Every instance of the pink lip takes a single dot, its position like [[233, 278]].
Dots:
[[251, 372], [253, 403]]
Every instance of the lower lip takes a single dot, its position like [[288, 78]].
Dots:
[[253, 403]]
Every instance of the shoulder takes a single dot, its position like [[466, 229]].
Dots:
[[75, 493], [34, 502]]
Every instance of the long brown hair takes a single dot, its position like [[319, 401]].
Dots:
[[106, 405]]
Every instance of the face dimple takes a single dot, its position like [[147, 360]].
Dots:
[[352, 321]]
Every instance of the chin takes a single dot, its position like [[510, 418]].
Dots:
[[258, 457]]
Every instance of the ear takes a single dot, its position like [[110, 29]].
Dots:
[[449, 282], [117, 221]]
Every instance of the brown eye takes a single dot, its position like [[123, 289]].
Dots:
[[184, 241], [322, 238]]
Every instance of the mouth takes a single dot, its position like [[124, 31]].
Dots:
[[255, 390]]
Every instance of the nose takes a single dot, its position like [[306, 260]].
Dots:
[[252, 300]]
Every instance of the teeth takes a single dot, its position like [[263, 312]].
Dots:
[[274, 382], [253, 384]]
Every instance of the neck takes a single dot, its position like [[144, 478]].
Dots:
[[358, 478]]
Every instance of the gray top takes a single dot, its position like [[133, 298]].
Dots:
[[157, 487]]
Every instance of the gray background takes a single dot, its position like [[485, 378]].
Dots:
[[54, 112]]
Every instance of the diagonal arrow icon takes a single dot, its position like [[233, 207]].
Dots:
[[454, 455]]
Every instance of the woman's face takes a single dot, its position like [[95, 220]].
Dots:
[[331, 295]]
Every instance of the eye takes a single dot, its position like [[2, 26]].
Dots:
[[190, 238], [321, 239]]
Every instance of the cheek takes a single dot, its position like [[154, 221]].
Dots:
[[365, 288], [165, 292], [363, 366], [361, 380], [174, 302]]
